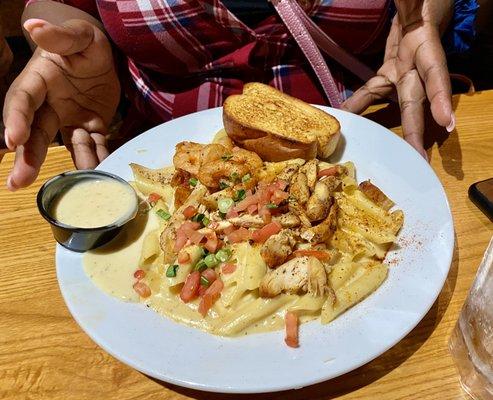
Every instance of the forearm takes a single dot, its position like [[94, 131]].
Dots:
[[56, 13]]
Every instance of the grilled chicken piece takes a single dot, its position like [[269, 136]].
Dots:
[[310, 170], [299, 188], [168, 235], [296, 209], [292, 167], [299, 275], [181, 195], [288, 220], [210, 201], [322, 233], [376, 195], [319, 203], [278, 247]]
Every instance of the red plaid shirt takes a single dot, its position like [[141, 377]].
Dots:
[[181, 56]]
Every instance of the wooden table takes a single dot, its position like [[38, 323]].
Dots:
[[45, 355]]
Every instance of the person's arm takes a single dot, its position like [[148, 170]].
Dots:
[[55, 13]]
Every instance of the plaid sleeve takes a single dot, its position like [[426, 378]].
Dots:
[[89, 6]]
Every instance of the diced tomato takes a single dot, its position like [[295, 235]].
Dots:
[[180, 241], [153, 197], [229, 229], [202, 290], [190, 289], [321, 255], [291, 329], [246, 202], [188, 227], [196, 237], [281, 185], [264, 195], [213, 225], [232, 213], [189, 212], [332, 171], [262, 234], [264, 212], [142, 289], [228, 268], [186, 231], [212, 242], [183, 257], [252, 209], [279, 196], [209, 274], [210, 296], [139, 274], [239, 235]]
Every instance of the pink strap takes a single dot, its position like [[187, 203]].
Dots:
[[310, 38]]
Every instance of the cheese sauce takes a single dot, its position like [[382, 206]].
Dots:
[[93, 203], [111, 267]]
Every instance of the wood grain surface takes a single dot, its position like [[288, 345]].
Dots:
[[45, 355]]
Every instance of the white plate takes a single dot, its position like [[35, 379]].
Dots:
[[188, 357]]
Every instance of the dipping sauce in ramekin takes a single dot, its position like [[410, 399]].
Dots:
[[87, 208]]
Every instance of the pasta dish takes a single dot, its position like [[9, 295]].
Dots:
[[245, 246]]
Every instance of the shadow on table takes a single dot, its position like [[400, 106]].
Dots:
[[364, 375], [448, 144]]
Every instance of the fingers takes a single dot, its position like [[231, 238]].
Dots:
[[71, 38], [411, 98], [87, 150], [24, 97], [30, 156], [432, 67], [376, 88]]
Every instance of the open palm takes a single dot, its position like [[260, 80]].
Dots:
[[70, 85]]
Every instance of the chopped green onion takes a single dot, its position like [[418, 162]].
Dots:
[[235, 177], [193, 181], [225, 204], [204, 251], [206, 221], [246, 178], [223, 185], [171, 271], [163, 214], [198, 217], [211, 260], [200, 266], [204, 281], [239, 195], [271, 205], [227, 157], [223, 255]]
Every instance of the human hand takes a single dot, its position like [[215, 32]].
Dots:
[[70, 84], [415, 65]]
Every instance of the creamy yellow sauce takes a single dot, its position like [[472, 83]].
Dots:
[[111, 267], [94, 203]]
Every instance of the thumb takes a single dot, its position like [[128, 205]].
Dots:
[[71, 38]]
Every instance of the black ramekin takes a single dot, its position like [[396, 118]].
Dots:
[[71, 237]]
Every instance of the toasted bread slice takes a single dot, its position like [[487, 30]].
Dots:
[[277, 126]]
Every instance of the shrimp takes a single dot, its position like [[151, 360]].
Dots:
[[188, 157], [221, 164]]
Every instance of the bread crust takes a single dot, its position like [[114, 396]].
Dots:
[[272, 144]]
